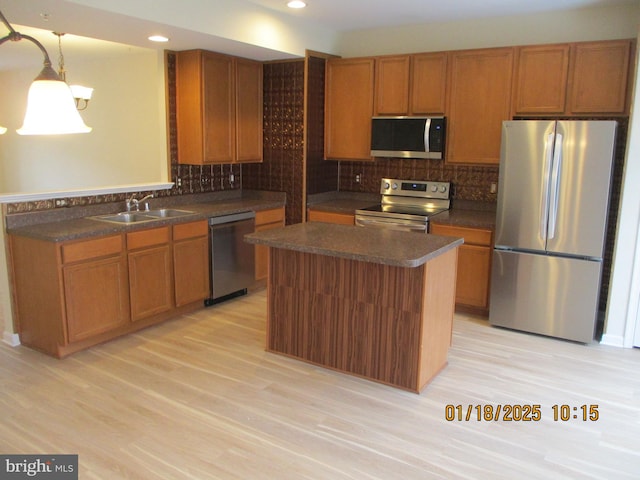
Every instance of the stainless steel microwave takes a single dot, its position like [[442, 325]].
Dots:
[[408, 137]]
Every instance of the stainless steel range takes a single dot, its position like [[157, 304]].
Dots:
[[406, 205]]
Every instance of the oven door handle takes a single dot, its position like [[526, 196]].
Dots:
[[361, 222]]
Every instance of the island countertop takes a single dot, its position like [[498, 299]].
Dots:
[[375, 245]]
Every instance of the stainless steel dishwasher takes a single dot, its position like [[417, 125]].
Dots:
[[232, 259]]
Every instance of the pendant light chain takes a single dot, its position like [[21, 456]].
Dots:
[[61, 71]]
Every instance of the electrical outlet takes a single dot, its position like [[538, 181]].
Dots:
[[61, 202], [178, 182], [232, 178], [358, 178], [494, 187]]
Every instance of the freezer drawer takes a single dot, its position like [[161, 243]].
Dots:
[[542, 294]]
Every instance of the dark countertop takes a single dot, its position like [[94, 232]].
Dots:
[[463, 213], [73, 223], [364, 244]]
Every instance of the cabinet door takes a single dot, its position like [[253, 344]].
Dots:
[[348, 109], [150, 280], [392, 85], [428, 83], [472, 283], [266, 220], [96, 297], [599, 77], [248, 111], [218, 108], [541, 79], [480, 99], [191, 270]]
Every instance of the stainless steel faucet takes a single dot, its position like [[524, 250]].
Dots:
[[134, 203]]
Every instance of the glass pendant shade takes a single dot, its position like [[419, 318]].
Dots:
[[2, 130], [51, 108]]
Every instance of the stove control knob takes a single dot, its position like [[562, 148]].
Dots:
[[394, 186], [443, 188], [386, 185], [434, 188]]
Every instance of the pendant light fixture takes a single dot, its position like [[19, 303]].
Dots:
[[81, 94], [51, 109]]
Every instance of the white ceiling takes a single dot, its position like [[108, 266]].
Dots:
[[347, 15], [88, 26]]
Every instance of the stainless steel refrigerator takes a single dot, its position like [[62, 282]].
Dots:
[[553, 196]]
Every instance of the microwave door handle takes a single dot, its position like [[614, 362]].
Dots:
[[427, 129]]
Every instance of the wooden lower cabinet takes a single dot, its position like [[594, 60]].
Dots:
[[265, 220], [330, 217], [191, 262], [474, 266], [150, 276], [71, 295], [96, 297]]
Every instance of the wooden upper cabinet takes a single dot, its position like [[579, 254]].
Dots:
[[479, 101], [411, 84], [428, 83], [600, 77], [248, 111], [392, 85], [541, 79], [218, 108], [348, 109]]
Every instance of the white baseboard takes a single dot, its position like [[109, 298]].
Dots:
[[12, 339], [612, 340]]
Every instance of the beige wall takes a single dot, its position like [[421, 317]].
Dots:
[[583, 25], [126, 146]]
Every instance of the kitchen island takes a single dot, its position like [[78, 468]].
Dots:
[[372, 302]]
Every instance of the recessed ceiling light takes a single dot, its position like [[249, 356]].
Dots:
[[158, 38], [296, 4]]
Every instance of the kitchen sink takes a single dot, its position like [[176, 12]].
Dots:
[[166, 212], [139, 217]]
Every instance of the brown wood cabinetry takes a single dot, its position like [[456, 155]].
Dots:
[[541, 79], [330, 217], [71, 295], [348, 109], [599, 77], [474, 265], [218, 108], [265, 220], [411, 84], [191, 262], [479, 101], [94, 278], [573, 79], [150, 275]]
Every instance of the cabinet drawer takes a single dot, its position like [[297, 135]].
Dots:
[[147, 238], [473, 236], [190, 230], [270, 216], [86, 249]]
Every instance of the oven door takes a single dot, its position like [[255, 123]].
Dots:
[[391, 223]]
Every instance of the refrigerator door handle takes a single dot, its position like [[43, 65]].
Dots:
[[548, 161], [555, 187]]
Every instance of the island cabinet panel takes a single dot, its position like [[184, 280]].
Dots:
[[363, 318], [479, 101], [348, 109]]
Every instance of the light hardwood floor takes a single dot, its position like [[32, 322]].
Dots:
[[199, 398]]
